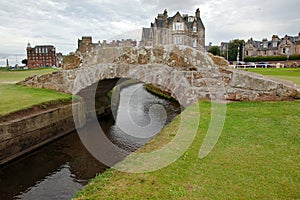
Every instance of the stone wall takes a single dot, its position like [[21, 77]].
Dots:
[[22, 135]]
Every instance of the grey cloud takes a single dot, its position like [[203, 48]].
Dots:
[[63, 22]]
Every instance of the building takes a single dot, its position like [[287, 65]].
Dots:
[[288, 45], [59, 59], [86, 45], [40, 56], [179, 30]]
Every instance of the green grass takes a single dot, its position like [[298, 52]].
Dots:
[[291, 74], [15, 76], [16, 97], [256, 157]]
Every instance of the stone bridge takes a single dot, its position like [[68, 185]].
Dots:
[[185, 73]]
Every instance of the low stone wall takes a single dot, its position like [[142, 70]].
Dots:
[[20, 136]]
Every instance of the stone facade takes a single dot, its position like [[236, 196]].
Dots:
[[288, 45], [41, 56], [86, 45], [179, 29], [184, 72]]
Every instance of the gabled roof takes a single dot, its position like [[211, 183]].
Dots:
[[159, 22]]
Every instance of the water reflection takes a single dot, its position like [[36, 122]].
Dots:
[[59, 169]]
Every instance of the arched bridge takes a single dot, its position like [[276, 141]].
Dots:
[[187, 74]]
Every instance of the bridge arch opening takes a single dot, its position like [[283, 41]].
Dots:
[[97, 97]]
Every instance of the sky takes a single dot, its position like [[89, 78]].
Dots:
[[62, 22]]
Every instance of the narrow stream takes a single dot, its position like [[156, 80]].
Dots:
[[64, 166]]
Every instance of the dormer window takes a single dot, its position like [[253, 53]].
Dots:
[[274, 44], [191, 19], [178, 26]]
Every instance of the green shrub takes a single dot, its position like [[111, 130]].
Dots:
[[271, 58]]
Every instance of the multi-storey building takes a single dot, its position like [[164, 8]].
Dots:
[[86, 45], [288, 45], [40, 56], [179, 30]]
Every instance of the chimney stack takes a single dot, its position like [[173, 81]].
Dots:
[[197, 14]]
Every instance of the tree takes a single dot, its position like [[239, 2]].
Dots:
[[233, 47], [215, 50], [25, 61]]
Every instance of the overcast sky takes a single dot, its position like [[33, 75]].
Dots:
[[62, 22]]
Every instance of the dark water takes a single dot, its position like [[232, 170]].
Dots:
[[64, 166]]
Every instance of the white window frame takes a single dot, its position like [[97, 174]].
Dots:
[[195, 43], [194, 29], [178, 40], [178, 26], [191, 19]]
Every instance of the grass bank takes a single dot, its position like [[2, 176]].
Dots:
[[12, 76], [291, 74], [15, 97], [256, 157], [156, 91]]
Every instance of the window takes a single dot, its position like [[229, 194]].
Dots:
[[194, 29], [283, 50], [178, 40], [265, 45], [195, 43], [274, 44], [191, 19], [178, 26]]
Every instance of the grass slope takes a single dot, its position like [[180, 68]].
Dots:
[[16, 97], [256, 157], [291, 74]]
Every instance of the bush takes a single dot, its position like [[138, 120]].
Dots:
[[271, 58]]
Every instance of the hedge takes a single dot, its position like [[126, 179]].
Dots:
[[271, 58]]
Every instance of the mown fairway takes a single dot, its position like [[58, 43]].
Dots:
[[15, 97], [291, 74], [256, 157]]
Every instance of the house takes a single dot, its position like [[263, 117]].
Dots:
[[178, 29], [288, 45], [40, 56]]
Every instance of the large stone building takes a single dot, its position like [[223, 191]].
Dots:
[[179, 29], [288, 45], [86, 45], [40, 56]]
